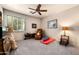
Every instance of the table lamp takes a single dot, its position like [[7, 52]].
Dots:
[[65, 28]]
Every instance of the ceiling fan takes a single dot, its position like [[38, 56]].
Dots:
[[38, 10]]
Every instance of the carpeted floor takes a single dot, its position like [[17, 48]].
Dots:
[[35, 47]]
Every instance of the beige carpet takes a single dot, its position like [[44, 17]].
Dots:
[[35, 47]]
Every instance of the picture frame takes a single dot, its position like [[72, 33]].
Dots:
[[52, 24], [34, 25]]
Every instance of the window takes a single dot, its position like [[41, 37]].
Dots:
[[16, 22]]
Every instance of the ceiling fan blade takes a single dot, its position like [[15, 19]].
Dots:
[[31, 8], [33, 12], [38, 7], [43, 10], [39, 13]]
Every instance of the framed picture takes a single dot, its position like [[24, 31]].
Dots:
[[52, 24], [34, 25]]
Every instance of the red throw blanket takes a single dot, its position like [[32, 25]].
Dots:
[[49, 40]]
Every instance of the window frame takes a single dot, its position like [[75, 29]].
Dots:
[[21, 18]]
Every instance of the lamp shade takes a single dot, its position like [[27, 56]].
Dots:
[[65, 28]]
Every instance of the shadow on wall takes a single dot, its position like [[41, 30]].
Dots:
[[75, 26]]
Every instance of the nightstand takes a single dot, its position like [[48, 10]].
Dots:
[[64, 40]]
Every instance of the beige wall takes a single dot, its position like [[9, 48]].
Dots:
[[1, 9], [65, 18], [29, 21], [28, 24], [28, 27]]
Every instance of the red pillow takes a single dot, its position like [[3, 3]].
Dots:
[[49, 40]]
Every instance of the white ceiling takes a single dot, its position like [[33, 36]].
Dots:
[[51, 8]]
